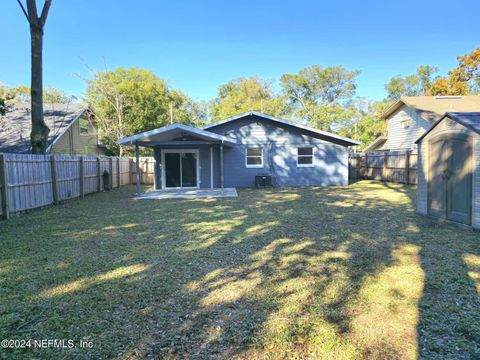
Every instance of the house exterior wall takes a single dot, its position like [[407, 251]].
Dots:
[[279, 143], [400, 138], [423, 156], [71, 142]]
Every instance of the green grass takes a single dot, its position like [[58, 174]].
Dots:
[[339, 272]]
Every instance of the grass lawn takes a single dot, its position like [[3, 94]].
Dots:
[[339, 272]]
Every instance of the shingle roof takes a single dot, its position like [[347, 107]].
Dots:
[[470, 120], [432, 108], [15, 125]]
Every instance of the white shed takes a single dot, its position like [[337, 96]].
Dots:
[[449, 169]]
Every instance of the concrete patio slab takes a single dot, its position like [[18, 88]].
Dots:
[[187, 194]]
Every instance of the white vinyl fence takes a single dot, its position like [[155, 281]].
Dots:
[[32, 181]]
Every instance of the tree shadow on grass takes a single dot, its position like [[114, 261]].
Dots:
[[319, 272]]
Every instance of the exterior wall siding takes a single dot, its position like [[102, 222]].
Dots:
[[422, 190], [279, 143], [72, 143], [404, 138]]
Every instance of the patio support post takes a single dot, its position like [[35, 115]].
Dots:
[[221, 166], [211, 166], [137, 168]]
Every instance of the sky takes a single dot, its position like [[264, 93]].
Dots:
[[199, 45]]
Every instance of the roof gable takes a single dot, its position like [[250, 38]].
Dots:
[[432, 108], [470, 120], [307, 129]]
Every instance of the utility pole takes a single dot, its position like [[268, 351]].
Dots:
[[171, 113]]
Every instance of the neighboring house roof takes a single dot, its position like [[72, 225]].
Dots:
[[170, 132], [16, 125], [285, 122], [432, 108], [470, 120], [375, 144]]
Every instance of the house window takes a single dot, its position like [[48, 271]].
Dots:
[[405, 124], [305, 157], [83, 124], [254, 158]]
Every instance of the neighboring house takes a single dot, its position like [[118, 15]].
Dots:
[[232, 152], [449, 169], [71, 131], [411, 116]]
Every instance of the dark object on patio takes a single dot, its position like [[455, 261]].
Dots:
[[106, 181], [263, 180]]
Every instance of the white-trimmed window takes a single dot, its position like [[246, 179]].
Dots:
[[254, 157], [83, 126], [305, 157]]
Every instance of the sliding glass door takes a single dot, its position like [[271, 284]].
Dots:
[[180, 168]]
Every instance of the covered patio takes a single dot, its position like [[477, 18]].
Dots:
[[188, 161]]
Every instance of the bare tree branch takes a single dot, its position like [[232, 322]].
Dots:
[[43, 17], [23, 10]]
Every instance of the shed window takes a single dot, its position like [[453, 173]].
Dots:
[[83, 125], [305, 157], [254, 158]]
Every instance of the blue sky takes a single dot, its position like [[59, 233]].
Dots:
[[198, 45]]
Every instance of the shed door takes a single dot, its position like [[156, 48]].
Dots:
[[437, 195], [459, 181], [450, 180]]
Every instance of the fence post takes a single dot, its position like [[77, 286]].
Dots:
[[366, 166], [118, 172], [82, 177], [53, 167], [4, 185], [111, 173], [407, 167], [385, 166], [99, 182]]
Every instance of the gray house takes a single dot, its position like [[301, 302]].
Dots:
[[449, 169], [232, 152], [411, 116], [71, 131]]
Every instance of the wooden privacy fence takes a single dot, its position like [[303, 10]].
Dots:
[[147, 170], [32, 181], [394, 166]]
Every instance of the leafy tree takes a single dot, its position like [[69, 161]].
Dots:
[[55, 96], [246, 94], [320, 95], [463, 80], [5, 99], [127, 101], [411, 85], [39, 134], [366, 125], [51, 95]]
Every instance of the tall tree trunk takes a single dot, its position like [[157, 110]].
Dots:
[[39, 134]]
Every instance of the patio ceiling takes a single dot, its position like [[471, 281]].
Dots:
[[175, 134]]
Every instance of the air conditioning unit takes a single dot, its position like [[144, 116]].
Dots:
[[263, 180]]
